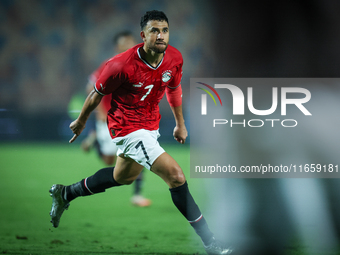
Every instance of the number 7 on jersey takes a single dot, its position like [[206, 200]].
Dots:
[[149, 88]]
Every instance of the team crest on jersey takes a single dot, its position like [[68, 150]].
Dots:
[[166, 76]]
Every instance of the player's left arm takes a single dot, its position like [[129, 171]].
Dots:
[[174, 96], [180, 131]]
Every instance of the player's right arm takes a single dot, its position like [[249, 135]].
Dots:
[[109, 80], [91, 102], [101, 113]]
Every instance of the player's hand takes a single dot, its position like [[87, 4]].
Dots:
[[180, 134], [77, 127]]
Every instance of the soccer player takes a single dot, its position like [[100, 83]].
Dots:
[[101, 137], [137, 80]]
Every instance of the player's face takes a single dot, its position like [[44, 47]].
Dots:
[[156, 35]]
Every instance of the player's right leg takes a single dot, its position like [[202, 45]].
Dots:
[[107, 150], [125, 172], [59, 204]]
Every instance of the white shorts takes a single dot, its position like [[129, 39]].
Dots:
[[104, 139], [141, 145]]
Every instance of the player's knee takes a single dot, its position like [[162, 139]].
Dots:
[[176, 179]]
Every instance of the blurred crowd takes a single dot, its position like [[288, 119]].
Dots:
[[48, 47]]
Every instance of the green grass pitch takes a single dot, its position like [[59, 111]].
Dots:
[[105, 223], [102, 224]]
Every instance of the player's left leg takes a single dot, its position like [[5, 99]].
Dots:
[[169, 170]]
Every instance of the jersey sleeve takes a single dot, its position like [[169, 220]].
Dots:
[[174, 89], [174, 96], [110, 78]]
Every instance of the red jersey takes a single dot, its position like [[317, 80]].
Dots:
[[137, 88]]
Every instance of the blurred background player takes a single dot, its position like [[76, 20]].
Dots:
[[100, 138]]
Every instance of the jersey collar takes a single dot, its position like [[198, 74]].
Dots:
[[153, 68]]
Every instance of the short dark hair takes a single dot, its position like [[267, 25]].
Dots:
[[152, 15], [119, 35]]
